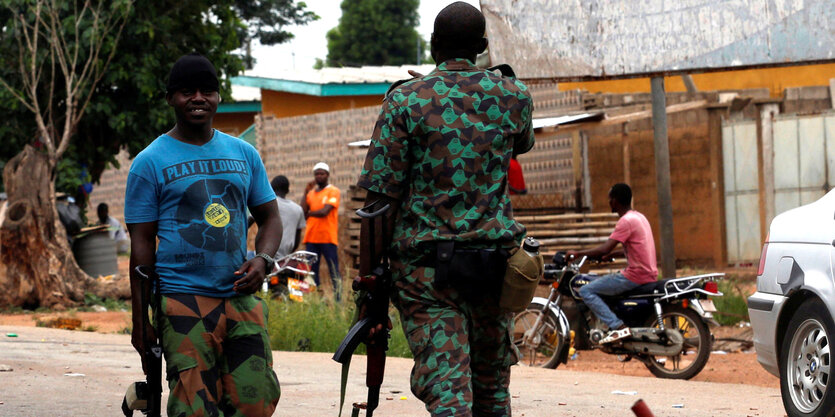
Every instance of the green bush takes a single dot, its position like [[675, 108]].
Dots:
[[732, 307], [318, 325]]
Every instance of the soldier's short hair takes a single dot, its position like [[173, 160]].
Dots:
[[459, 28]]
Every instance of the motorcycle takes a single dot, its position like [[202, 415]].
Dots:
[[291, 276], [669, 321]]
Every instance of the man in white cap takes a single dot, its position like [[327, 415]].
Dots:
[[321, 204]]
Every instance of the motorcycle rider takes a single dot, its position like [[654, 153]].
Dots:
[[633, 232]]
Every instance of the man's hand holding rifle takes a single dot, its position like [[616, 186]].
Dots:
[[146, 396], [373, 286]]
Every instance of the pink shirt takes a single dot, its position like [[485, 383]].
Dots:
[[633, 231]]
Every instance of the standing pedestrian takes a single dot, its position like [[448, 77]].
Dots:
[[292, 217], [189, 190], [321, 206], [114, 228], [439, 155]]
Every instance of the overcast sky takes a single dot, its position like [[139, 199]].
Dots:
[[310, 43]]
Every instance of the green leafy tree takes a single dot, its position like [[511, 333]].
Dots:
[[376, 32], [265, 21], [128, 108], [123, 109]]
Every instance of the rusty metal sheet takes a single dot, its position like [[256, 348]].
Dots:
[[597, 39]]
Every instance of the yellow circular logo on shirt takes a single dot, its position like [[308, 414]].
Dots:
[[216, 215]]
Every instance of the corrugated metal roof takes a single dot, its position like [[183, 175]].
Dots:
[[537, 123], [366, 80], [345, 75], [249, 136], [568, 119], [240, 107], [313, 89], [330, 81], [244, 93]]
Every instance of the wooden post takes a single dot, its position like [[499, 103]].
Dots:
[[832, 92], [627, 168], [689, 84], [720, 249], [586, 174], [577, 164], [662, 175], [765, 145]]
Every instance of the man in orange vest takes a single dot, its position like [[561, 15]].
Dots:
[[320, 205]]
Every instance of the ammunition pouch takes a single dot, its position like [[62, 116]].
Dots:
[[475, 273], [520, 281]]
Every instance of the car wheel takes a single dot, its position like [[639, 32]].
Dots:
[[806, 362]]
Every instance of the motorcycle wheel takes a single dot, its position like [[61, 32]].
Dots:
[[805, 362], [280, 292], [696, 349], [548, 342]]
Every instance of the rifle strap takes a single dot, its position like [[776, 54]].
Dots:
[[345, 367], [505, 69]]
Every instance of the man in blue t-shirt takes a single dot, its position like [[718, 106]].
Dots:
[[189, 190]]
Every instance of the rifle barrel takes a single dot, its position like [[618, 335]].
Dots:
[[373, 400]]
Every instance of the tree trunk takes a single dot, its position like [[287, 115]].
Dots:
[[40, 269]]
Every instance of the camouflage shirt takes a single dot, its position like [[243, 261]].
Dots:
[[442, 146]]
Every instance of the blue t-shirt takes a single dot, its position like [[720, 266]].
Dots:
[[198, 195]]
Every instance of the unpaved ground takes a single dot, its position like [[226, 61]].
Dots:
[[105, 322], [71, 373], [733, 367]]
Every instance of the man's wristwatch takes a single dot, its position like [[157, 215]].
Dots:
[[266, 257]]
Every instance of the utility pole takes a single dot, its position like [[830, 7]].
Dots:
[[662, 176]]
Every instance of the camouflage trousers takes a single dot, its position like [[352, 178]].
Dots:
[[218, 357], [462, 350]]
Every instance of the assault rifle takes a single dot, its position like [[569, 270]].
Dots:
[[146, 396], [374, 284]]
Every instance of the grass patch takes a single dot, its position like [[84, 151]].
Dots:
[[318, 325], [22, 310], [13, 310], [91, 300], [732, 307]]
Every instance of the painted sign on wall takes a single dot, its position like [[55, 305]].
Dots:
[[594, 39]]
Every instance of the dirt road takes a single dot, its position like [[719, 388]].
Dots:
[[71, 373]]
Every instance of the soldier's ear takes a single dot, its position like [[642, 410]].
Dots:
[[433, 48], [481, 46]]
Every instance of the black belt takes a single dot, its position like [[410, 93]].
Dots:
[[471, 271]]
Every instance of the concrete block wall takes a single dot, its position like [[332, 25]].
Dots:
[[111, 189], [292, 146], [548, 167]]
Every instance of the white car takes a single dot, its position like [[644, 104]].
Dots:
[[793, 308]]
